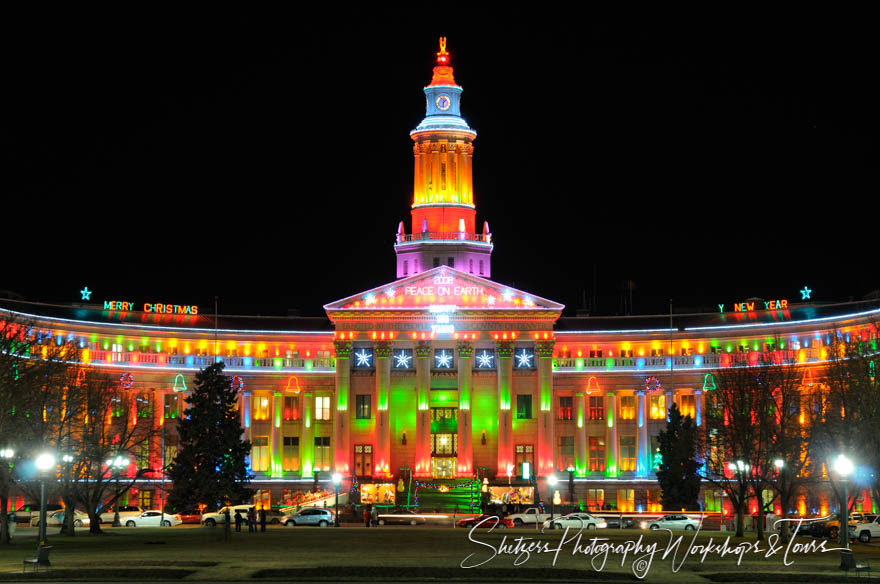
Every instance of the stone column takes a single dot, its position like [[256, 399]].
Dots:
[[504, 361], [465, 462], [341, 448], [698, 407], [307, 439], [156, 440], [546, 444], [423, 412], [642, 444], [669, 402], [611, 445], [276, 405], [382, 452], [580, 435]]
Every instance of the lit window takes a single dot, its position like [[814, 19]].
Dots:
[[260, 454], [172, 405], [565, 458], [363, 459], [322, 453], [628, 407], [362, 408], [658, 407], [597, 407], [525, 453], [597, 454], [143, 405], [627, 453], [688, 405], [322, 408], [565, 408], [291, 408], [523, 407], [626, 500], [290, 455], [261, 407]]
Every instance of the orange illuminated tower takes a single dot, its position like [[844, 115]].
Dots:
[[443, 213]]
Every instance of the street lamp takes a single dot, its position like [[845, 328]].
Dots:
[[44, 462], [337, 478], [843, 466], [552, 481], [117, 464]]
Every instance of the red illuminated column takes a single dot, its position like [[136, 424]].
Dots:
[[580, 436], [423, 413], [504, 352], [642, 466], [465, 466], [546, 450], [132, 409], [341, 449], [156, 440], [382, 453]]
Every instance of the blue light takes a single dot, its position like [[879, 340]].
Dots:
[[640, 363], [403, 359], [698, 361], [525, 358], [363, 357], [443, 359], [189, 360], [485, 359], [805, 293], [86, 293], [248, 361]]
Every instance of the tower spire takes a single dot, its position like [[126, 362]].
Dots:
[[443, 71]]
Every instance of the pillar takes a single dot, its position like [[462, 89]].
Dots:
[[504, 353], [307, 433], [341, 448], [465, 461], [580, 435], [668, 402], [156, 439], [276, 406], [698, 407], [382, 451], [643, 466], [611, 445], [546, 446], [245, 409], [423, 413]]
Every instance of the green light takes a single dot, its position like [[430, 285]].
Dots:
[[106, 345], [609, 363], [579, 364], [308, 364], [94, 337], [158, 347], [610, 420], [130, 347], [277, 362]]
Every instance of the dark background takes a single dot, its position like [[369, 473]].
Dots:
[[269, 163]]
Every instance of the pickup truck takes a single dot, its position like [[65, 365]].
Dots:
[[869, 528], [530, 516]]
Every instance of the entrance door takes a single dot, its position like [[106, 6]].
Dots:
[[443, 451]]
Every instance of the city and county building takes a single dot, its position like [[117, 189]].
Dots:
[[444, 378]]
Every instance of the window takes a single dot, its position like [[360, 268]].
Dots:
[[143, 405], [523, 407], [713, 501], [470, 266], [656, 352], [450, 261], [655, 496], [119, 406], [628, 407], [405, 267], [595, 499], [363, 459], [688, 405], [656, 457], [261, 407], [260, 454], [565, 458], [436, 262], [362, 406], [322, 453], [291, 408], [525, 453], [597, 407], [170, 449], [626, 500], [171, 405], [322, 408], [290, 454], [597, 454], [627, 453], [658, 407], [444, 444], [446, 415], [142, 455], [145, 499], [566, 405], [596, 354], [481, 267]]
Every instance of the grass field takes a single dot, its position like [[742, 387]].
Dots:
[[407, 553]]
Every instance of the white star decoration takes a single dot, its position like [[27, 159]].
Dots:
[[523, 358], [364, 358], [508, 295], [490, 301], [389, 293], [443, 359], [484, 360], [403, 359]]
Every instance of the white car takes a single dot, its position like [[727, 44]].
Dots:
[[530, 516], [153, 519], [125, 512], [676, 521], [867, 529], [56, 518], [218, 518], [576, 521]]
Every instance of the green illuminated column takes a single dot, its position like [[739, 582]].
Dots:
[[580, 436], [423, 415], [642, 464], [277, 402], [611, 445], [382, 454], [307, 440], [546, 451], [341, 450], [504, 352], [465, 463]]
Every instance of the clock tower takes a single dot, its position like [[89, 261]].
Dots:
[[443, 230]]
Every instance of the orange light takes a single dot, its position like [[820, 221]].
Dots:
[[374, 334], [580, 353], [414, 335], [391, 335], [504, 336], [545, 335]]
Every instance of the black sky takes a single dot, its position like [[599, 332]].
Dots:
[[270, 164]]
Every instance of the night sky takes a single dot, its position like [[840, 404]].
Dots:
[[271, 164]]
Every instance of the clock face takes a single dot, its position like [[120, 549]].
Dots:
[[443, 102]]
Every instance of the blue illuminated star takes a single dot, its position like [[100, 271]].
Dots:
[[508, 295], [805, 293], [86, 293], [443, 359], [364, 358], [485, 359], [403, 358], [524, 358]]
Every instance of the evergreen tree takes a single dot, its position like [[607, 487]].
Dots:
[[677, 468], [210, 465]]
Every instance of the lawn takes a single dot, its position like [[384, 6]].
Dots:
[[409, 553]]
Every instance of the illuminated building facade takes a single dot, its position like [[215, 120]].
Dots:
[[443, 373]]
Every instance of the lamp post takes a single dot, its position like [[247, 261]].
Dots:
[[843, 466], [740, 469], [337, 478], [45, 462], [552, 481], [117, 464]]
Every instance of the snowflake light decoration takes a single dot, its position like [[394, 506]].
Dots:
[[364, 358], [485, 359], [402, 359], [508, 295], [490, 301], [443, 359], [524, 358]]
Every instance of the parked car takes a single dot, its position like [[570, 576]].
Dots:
[[618, 522], [56, 518], [153, 519], [26, 512], [218, 517], [487, 521], [190, 516], [530, 516], [867, 529], [401, 517], [309, 516], [576, 521], [676, 521], [125, 512]]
